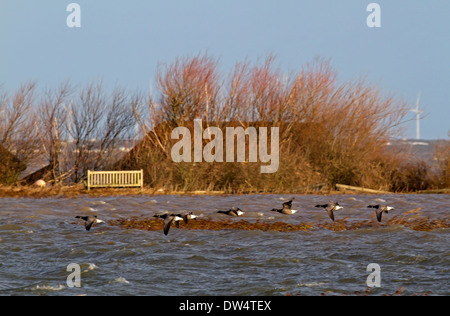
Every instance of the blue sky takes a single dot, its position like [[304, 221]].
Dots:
[[122, 42]]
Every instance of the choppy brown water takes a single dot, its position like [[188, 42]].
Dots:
[[39, 238]]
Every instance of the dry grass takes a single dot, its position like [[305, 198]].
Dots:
[[153, 224], [65, 191], [60, 190]]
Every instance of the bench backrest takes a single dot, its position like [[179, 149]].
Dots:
[[127, 178]]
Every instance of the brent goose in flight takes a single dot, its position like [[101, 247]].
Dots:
[[381, 209], [234, 211], [287, 208], [89, 220], [168, 219], [330, 208], [186, 217]]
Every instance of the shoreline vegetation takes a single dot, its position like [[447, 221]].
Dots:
[[329, 133], [79, 190]]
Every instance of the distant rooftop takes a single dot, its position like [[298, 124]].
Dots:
[[418, 149]]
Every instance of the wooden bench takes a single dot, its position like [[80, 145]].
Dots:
[[115, 179]]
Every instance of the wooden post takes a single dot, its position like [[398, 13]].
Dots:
[[343, 187], [89, 180]]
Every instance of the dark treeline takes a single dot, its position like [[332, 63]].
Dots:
[[330, 132]]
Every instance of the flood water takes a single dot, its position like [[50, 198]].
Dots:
[[39, 238]]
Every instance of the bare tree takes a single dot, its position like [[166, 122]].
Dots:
[[51, 126], [118, 125], [98, 122], [189, 88], [343, 127], [85, 115], [17, 132]]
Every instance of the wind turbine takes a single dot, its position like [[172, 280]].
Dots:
[[418, 112]]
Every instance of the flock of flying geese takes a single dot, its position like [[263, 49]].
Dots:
[[168, 219]]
